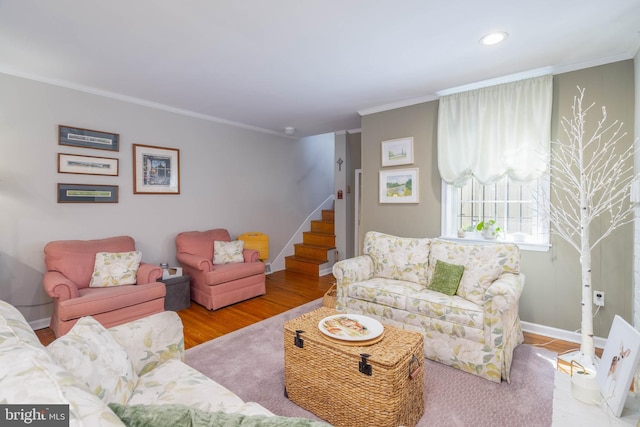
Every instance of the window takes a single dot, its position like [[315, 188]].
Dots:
[[515, 208]]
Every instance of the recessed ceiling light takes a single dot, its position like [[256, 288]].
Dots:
[[289, 130], [494, 38]]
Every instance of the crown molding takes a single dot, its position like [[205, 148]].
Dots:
[[139, 101]]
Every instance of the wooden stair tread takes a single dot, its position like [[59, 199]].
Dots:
[[307, 245], [305, 259]]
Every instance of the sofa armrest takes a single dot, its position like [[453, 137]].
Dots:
[[148, 273], [504, 293], [250, 255], [57, 285], [195, 261], [151, 340], [351, 270]]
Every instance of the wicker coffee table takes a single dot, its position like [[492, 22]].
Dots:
[[348, 384]]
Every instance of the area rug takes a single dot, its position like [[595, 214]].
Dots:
[[250, 362]]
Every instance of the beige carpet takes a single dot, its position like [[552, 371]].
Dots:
[[250, 363]]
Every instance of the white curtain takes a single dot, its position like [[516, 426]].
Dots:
[[496, 131]]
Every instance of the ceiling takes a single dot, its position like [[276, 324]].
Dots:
[[312, 65]]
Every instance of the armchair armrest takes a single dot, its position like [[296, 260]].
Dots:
[[151, 340], [57, 285], [195, 261], [250, 255], [148, 273]]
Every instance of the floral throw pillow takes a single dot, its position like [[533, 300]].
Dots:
[[115, 269], [93, 356], [228, 252]]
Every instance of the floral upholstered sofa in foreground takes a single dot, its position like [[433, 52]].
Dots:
[[474, 329], [134, 370]]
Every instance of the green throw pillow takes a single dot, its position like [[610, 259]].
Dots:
[[186, 416], [446, 277]]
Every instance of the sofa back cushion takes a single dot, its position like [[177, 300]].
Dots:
[[399, 258], [75, 259], [483, 263]]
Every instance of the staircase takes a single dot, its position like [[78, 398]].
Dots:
[[312, 254]]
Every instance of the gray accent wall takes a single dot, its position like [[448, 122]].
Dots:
[[231, 177], [552, 292]]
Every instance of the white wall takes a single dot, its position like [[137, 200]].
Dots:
[[231, 178], [636, 227]]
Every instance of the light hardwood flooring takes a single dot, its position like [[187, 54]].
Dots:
[[285, 290]]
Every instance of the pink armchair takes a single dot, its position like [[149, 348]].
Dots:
[[70, 266], [218, 285]]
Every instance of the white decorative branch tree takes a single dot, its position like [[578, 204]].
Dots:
[[591, 179]]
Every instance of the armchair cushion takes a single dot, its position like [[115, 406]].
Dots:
[[115, 269], [95, 358], [228, 252]]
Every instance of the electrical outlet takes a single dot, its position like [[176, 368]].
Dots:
[[598, 298]]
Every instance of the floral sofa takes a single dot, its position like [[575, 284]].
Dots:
[[475, 329], [130, 368]]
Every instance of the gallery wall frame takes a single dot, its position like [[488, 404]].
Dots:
[[156, 170], [399, 185], [396, 152], [87, 165], [88, 138], [87, 193]]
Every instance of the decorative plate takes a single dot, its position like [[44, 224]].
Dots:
[[350, 327]]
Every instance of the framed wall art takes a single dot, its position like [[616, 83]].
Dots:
[[156, 170], [87, 138], [397, 152], [87, 193], [399, 186], [87, 165], [618, 364]]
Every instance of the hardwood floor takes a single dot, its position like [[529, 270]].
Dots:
[[285, 290]]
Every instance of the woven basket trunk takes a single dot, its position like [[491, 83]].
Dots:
[[329, 298], [324, 377]]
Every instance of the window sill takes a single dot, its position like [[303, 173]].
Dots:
[[525, 246]]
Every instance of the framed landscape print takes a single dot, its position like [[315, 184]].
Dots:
[[87, 138], [83, 193], [397, 152], [87, 165], [399, 186], [156, 170]]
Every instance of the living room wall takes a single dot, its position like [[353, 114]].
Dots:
[[552, 292], [231, 177]]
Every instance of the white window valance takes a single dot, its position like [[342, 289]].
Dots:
[[496, 131]]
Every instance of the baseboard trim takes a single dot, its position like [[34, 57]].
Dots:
[[560, 334], [40, 323]]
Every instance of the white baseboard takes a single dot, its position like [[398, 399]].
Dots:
[[40, 323], [560, 334]]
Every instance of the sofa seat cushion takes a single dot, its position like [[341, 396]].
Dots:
[[388, 292], [28, 375], [224, 273], [174, 382], [452, 309], [400, 258], [93, 301]]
